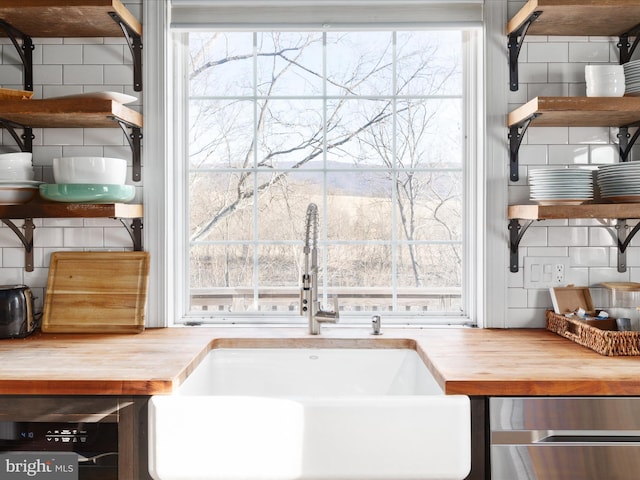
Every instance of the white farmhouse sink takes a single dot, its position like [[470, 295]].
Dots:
[[309, 413]]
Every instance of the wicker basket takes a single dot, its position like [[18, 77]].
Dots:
[[605, 342]]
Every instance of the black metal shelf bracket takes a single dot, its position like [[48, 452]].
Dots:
[[26, 239], [624, 238], [135, 142], [516, 231], [24, 46], [516, 134], [627, 48], [626, 141], [24, 141], [135, 45], [135, 232], [516, 39]]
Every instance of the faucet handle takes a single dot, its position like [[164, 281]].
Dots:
[[327, 316]]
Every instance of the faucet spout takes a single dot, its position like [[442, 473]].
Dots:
[[310, 306]]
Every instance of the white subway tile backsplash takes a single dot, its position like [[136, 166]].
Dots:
[[104, 54], [534, 237], [63, 136], [48, 74], [559, 236], [598, 275], [568, 154], [104, 136], [117, 74], [601, 237], [589, 256], [61, 54], [589, 135], [533, 72], [596, 52], [566, 73], [547, 90], [548, 52], [48, 237], [533, 155], [83, 237], [604, 154], [82, 74], [548, 135]]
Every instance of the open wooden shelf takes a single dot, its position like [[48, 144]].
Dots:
[[578, 112], [64, 18], [69, 113], [592, 210], [71, 210], [578, 17]]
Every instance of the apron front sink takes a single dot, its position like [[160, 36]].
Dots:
[[310, 413]]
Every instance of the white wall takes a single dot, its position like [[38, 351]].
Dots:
[[63, 67], [554, 66]]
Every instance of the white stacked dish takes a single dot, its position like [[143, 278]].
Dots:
[[88, 180], [16, 178], [632, 77], [605, 80], [620, 182], [561, 186]]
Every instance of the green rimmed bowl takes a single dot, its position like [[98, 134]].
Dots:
[[87, 193]]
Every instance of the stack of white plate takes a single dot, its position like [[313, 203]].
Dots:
[[632, 77], [561, 186], [620, 182]]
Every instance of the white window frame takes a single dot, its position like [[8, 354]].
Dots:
[[167, 293]]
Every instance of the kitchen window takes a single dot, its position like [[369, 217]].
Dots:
[[376, 124]]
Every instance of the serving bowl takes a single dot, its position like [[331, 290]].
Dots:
[[87, 193], [90, 170]]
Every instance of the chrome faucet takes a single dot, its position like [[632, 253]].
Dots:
[[310, 306]]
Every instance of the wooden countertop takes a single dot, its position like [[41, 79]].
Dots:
[[465, 361]]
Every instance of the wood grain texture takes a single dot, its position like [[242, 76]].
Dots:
[[96, 292], [578, 111], [69, 113], [547, 212], [463, 360], [578, 17], [38, 209], [67, 18]]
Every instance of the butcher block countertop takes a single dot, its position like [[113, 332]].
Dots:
[[463, 360]]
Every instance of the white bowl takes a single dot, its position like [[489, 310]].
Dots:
[[16, 174], [17, 194], [96, 170], [16, 159]]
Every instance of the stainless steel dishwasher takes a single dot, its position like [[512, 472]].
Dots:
[[565, 438]]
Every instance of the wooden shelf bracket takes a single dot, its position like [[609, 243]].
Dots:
[[516, 38], [24, 45], [134, 40], [516, 231], [516, 134]]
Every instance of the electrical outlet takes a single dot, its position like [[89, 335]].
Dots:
[[545, 272]]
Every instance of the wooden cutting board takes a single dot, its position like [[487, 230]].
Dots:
[[96, 292]]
